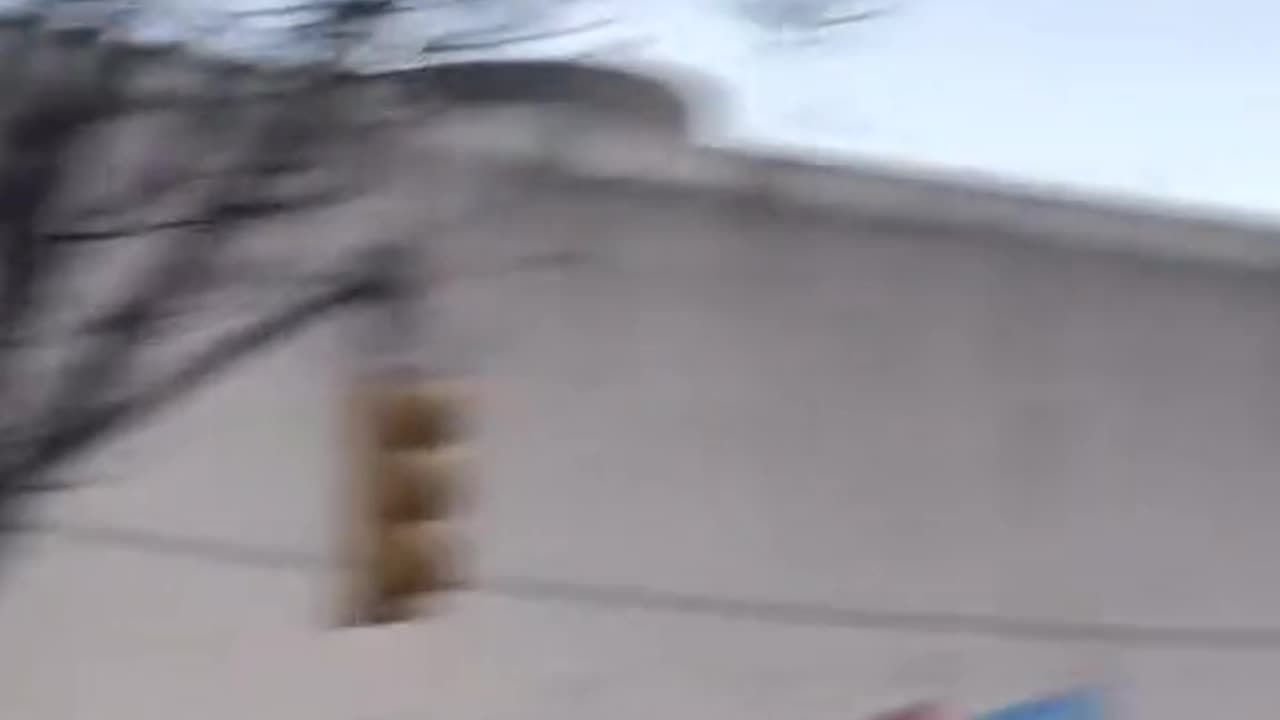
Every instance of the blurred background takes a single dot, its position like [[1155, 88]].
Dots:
[[806, 357]]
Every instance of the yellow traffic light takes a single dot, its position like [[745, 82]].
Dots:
[[408, 446]]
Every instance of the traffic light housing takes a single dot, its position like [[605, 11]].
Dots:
[[408, 444]]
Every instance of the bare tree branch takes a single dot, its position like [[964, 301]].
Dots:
[[56, 86], [807, 15], [78, 433]]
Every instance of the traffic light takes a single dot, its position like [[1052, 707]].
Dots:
[[408, 446]]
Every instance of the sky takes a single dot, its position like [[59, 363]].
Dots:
[[1164, 100], [1157, 99]]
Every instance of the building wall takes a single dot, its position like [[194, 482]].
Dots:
[[758, 439], [1038, 446]]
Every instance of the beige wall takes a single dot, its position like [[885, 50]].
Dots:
[[1037, 464], [758, 440]]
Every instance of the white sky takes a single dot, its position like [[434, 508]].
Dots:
[[1167, 99], [1164, 99]]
